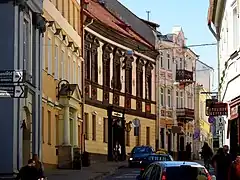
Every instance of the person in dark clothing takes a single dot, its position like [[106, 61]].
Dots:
[[207, 154], [222, 162], [28, 172], [235, 169], [38, 166], [188, 151]]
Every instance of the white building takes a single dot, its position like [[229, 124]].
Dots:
[[224, 16]]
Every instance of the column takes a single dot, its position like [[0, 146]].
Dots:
[[75, 132], [66, 128]]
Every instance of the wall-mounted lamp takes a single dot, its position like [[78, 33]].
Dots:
[[64, 84]]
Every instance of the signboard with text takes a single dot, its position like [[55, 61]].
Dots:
[[218, 109]]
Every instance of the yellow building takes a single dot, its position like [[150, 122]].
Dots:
[[62, 66], [202, 126], [119, 84]]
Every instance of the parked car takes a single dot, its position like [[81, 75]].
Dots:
[[138, 154], [153, 158], [174, 170]]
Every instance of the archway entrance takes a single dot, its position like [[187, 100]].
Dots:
[[26, 142]]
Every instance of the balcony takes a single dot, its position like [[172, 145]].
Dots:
[[185, 114], [184, 76]]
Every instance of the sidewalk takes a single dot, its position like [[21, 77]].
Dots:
[[95, 172]]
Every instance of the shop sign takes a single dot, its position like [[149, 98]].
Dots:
[[218, 109], [233, 112]]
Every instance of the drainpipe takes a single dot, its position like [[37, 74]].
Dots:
[[217, 36]]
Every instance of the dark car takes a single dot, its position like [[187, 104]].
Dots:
[[153, 158], [174, 170], [138, 154]]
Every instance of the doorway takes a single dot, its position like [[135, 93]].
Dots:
[[26, 142], [234, 137]]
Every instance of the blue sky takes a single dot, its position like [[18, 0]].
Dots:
[[191, 15]]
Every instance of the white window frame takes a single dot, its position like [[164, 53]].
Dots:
[[169, 96], [56, 59], [235, 27], [161, 62], [79, 76], [28, 66], [49, 55], [162, 96], [69, 67], [181, 99], [177, 99], [62, 75], [74, 70]]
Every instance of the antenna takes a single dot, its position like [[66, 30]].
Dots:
[[148, 15]]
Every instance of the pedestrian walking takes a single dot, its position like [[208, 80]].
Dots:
[[207, 154], [28, 172], [235, 169], [38, 166], [222, 163]]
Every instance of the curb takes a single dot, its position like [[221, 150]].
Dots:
[[105, 174]]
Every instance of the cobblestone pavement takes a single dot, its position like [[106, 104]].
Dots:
[[125, 174], [96, 171]]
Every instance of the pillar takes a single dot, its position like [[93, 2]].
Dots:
[[75, 130], [66, 128]]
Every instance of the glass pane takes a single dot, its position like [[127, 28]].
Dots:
[[182, 173]]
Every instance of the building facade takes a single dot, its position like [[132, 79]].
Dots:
[[119, 84], [62, 105], [22, 33], [176, 91], [202, 131], [223, 21]]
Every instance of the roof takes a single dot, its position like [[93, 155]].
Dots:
[[98, 12], [152, 24], [178, 163], [130, 18], [211, 10]]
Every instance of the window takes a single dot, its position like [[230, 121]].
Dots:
[[105, 130], [161, 62], [147, 135], [86, 126], [69, 11], [56, 62], [162, 97], [57, 4], [148, 81], [27, 59], [43, 53], [181, 64], [137, 133], [43, 124], [94, 127], [63, 9], [49, 56], [69, 69], [57, 129], [128, 78], [140, 79], [117, 71], [87, 63], [74, 17], [74, 71], [49, 128], [62, 65], [79, 76], [169, 98], [94, 66], [168, 62], [177, 99], [235, 29], [181, 100]]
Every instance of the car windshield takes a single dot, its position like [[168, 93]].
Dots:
[[182, 173], [141, 150], [158, 158]]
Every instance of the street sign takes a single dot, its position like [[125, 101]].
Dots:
[[218, 109], [14, 91], [12, 76]]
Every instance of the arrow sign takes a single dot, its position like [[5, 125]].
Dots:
[[12, 76], [18, 91]]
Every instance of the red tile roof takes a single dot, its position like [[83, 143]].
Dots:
[[100, 13]]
